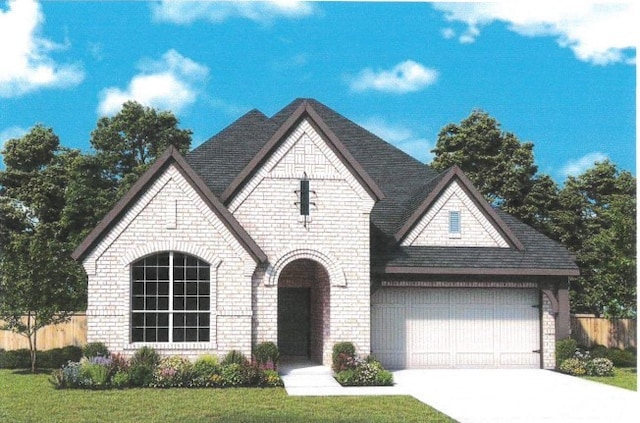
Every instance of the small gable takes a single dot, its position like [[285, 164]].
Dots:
[[455, 214], [455, 220]]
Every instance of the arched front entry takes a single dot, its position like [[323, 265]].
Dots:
[[303, 309]]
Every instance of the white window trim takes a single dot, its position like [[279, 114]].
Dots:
[[455, 234], [171, 345]]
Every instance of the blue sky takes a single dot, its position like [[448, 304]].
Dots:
[[562, 76]]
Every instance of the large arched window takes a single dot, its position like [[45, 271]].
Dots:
[[170, 299]]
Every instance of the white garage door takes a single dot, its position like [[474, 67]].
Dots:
[[456, 328]]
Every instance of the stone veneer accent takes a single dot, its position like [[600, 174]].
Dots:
[[336, 236], [170, 216], [433, 228]]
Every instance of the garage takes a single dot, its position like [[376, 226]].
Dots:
[[456, 328]]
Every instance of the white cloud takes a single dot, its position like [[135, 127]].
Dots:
[[579, 166], [600, 33], [11, 133], [405, 77], [25, 61], [186, 12], [401, 137], [170, 83]]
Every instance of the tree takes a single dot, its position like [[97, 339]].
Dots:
[[127, 143], [597, 221], [39, 282], [499, 165]]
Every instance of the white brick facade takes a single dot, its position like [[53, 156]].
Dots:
[[433, 227], [170, 216], [336, 235]]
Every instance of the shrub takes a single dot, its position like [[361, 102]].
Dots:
[[145, 355], [599, 367], [143, 364], [233, 375], [622, 358], [565, 349], [346, 377], [120, 379], [95, 349], [57, 357], [366, 373], [97, 370], [267, 355], [272, 379], [204, 372], [70, 376], [49, 359], [172, 372], [351, 370], [343, 353], [15, 359], [205, 365], [119, 363], [385, 378], [573, 367], [234, 357]]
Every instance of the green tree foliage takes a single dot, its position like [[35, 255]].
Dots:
[[500, 166], [593, 215], [38, 278], [127, 143], [597, 221], [39, 283]]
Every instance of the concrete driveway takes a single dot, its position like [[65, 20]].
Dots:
[[491, 396]]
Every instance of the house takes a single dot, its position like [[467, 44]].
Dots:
[[305, 229]]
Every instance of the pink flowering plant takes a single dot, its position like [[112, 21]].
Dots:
[[352, 370]]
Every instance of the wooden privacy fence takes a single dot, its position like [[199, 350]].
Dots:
[[587, 329], [74, 332], [590, 330]]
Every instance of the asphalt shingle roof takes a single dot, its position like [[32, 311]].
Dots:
[[405, 182]]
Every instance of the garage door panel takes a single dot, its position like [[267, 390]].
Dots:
[[474, 360], [519, 360], [463, 328], [470, 327]]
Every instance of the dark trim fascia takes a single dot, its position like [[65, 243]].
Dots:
[[407, 270], [232, 224], [304, 110], [453, 173], [171, 155]]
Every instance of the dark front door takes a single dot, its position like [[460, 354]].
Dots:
[[293, 321]]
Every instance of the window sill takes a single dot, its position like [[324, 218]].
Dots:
[[172, 345]]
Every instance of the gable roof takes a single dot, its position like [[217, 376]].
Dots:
[[391, 176], [403, 187], [304, 110], [170, 156], [541, 256], [434, 189]]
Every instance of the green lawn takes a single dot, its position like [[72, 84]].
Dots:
[[30, 398], [626, 378]]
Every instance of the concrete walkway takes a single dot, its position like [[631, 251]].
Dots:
[[485, 396], [304, 378]]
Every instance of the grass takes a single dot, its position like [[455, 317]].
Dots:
[[30, 398], [626, 378]]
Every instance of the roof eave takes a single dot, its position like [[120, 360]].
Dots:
[[467, 185], [509, 271]]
